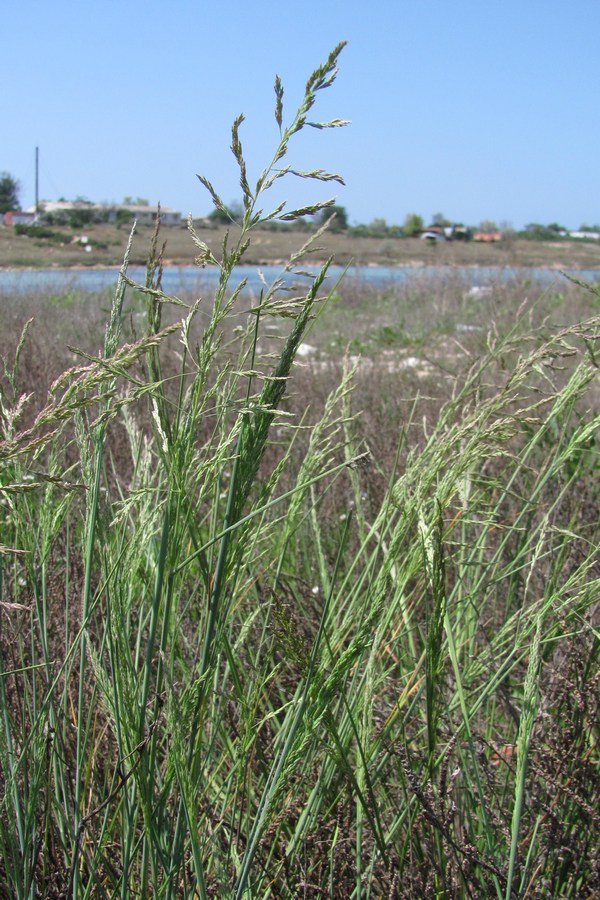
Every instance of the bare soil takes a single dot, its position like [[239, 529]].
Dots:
[[108, 244]]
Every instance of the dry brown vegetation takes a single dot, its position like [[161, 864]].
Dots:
[[275, 245]]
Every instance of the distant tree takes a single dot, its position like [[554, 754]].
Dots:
[[135, 201], [488, 225], [219, 216], [440, 220], [378, 227], [58, 217], [508, 232], [101, 215], [79, 218], [9, 192], [537, 232], [412, 224], [236, 210], [339, 223], [301, 224], [232, 213], [124, 217]]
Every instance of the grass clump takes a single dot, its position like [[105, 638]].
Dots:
[[243, 654]]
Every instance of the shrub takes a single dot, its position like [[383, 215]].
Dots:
[[42, 232], [124, 217]]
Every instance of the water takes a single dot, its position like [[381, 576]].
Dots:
[[186, 279]]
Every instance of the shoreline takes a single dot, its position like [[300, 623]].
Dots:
[[412, 264]]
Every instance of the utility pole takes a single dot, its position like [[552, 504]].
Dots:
[[37, 180]]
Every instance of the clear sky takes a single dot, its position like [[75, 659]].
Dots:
[[473, 108]]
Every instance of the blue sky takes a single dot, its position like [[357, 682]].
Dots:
[[479, 110]]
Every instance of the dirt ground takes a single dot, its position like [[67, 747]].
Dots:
[[108, 242]]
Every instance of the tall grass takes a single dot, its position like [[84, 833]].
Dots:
[[233, 666]]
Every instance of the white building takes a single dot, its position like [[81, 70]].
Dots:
[[108, 211], [582, 235]]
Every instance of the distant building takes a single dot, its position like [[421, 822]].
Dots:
[[433, 235], [144, 213], [444, 232], [585, 235], [108, 212], [458, 233], [487, 236], [19, 217]]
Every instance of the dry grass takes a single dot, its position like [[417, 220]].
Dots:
[[387, 814], [273, 246]]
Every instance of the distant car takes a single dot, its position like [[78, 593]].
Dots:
[[432, 236]]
